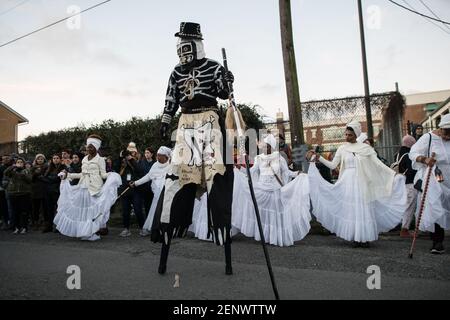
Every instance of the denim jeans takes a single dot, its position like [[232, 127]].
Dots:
[[132, 199]]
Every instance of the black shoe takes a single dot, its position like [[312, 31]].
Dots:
[[365, 245], [162, 269], [47, 230], [438, 248], [356, 244], [228, 270]]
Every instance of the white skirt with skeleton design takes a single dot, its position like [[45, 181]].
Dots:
[[283, 205]]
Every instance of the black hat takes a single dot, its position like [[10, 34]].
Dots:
[[189, 30]]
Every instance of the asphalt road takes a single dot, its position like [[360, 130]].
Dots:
[[34, 266]]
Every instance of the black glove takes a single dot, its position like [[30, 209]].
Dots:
[[228, 76], [164, 130]]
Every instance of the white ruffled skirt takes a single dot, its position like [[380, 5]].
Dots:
[[285, 213], [341, 209], [437, 202], [81, 215]]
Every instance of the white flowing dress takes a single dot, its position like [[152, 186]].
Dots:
[[157, 175], [284, 210], [343, 209], [437, 202], [85, 208], [199, 224]]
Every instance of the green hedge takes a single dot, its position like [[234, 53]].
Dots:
[[117, 135]]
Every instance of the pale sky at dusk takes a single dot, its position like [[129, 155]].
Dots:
[[118, 63]]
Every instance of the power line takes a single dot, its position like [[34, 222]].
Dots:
[[52, 24], [430, 21], [11, 9], [433, 13], [420, 14]]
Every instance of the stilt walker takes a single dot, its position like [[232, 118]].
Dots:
[[198, 157]]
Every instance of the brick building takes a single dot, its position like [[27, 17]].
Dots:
[[9, 122]]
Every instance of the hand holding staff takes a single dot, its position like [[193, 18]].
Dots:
[[422, 203]]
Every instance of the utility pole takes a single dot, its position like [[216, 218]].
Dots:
[[292, 88], [290, 73], [365, 73]]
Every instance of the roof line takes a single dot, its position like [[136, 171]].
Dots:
[[21, 117]]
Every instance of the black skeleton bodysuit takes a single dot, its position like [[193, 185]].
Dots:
[[196, 87]]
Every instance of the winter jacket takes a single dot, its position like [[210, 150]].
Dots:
[[19, 181], [37, 182]]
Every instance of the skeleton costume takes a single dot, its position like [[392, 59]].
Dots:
[[197, 165], [84, 208]]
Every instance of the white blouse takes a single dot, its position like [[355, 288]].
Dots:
[[93, 172]]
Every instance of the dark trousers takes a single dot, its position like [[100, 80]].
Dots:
[[38, 205], [21, 206], [438, 234], [132, 199], [50, 206], [147, 198], [4, 214]]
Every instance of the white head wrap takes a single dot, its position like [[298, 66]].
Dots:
[[165, 151], [95, 142], [362, 137], [445, 122], [271, 140], [356, 126]]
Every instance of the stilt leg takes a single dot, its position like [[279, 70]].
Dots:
[[164, 254], [228, 267]]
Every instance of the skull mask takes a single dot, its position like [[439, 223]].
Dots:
[[189, 50]]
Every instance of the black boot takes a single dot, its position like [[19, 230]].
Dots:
[[228, 267]]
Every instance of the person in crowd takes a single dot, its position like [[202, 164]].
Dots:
[[51, 191], [285, 149], [371, 142], [132, 199], [75, 166], [19, 190], [147, 194], [284, 205], [156, 176], [4, 215], [84, 209], [368, 197], [109, 164], [37, 189], [405, 168], [7, 161], [66, 157], [325, 172], [418, 132], [432, 152]]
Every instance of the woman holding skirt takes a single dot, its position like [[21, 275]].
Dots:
[[368, 198], [84, 209], [283, 205]]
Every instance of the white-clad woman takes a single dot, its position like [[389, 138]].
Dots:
[[436, 214], [157, 175], [368, 198], [283, 205], [84, 209]]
